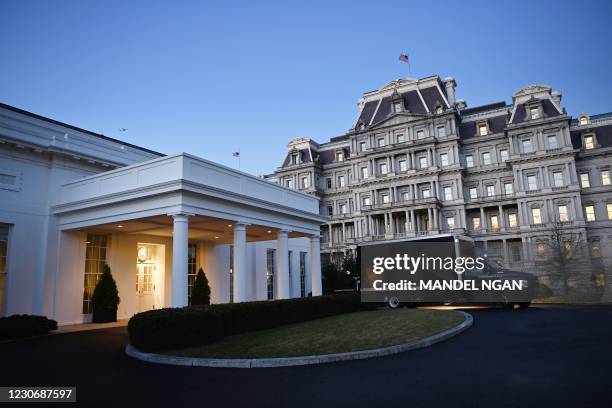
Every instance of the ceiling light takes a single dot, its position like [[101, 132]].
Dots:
[[229, 225], [119, 226], [216, 237], [269, 232]]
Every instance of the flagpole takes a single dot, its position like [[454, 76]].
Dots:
[[239, 157]]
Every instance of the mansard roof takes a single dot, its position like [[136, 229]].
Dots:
[[602, 133], [497, 124], [483, 108]]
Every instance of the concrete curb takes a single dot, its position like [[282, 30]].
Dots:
[[303, 360]]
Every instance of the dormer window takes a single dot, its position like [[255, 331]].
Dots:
[[339, 156], [483, 129], [397, 106], [534, 112], [584, 120], [295, 158], [588, 142]]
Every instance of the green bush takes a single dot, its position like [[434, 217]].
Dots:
[[16, 326], [165, 329], [200, 293], [105, 298]]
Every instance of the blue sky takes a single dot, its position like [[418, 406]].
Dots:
[[211, 78]]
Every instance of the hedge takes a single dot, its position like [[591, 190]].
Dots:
[[173, 328], [16, 326]]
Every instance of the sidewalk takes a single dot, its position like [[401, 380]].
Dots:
[[72, 328]]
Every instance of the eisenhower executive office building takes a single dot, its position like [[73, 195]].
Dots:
[[418, 162]]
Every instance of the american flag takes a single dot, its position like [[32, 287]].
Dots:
[[404, 57], [236, 154]]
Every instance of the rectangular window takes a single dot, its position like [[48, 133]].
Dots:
[[536, 214], [490, 191], [590, 212], [231, 274], [605, 177], [535, 112], [95, 259], [403, 165], [406, 196], [330, 210], [401, 138], [363, 146], [303, 274], [448, 193], [563, 213], [552, 142], [4, 231], [397, 107], [512, 220], [341, 181], [508, 189], [441, 131], [364, 172], [595, 249], [532, 182], [450, 221], [191, 268], [426, 193], [423, 162], [588, 142], [367, 201], [469, 161], [540, 250], [328, 182], [503, 155], [482, 129], [486, 158], [270, 264], [305, 182], [382, 167], [476, 222], [473, 193], [385, 198], [342, 208], [294, 158], [420, 134], [527, 148], [584, 180], [609, 210], [558, 178], [381, 142], [494, 222], [289, 183], [339, 156], [444, 159]]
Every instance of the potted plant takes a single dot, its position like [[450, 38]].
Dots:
[[200, 293], [105, 298]]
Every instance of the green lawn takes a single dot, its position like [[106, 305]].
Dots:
[[342, 333]]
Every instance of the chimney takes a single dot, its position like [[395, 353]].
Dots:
[[556, 97], [450, 85]]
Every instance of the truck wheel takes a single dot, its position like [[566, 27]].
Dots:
[[393, 303]]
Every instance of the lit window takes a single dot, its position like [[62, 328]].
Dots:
[[469, 161], [381, 142], [367, 201], [383, 168], [476, 222], [590, 212], [609, 209], [342, 208], [584, 180], [532, 182], [385, 198], [482, 129], [329, 182], [540, 249], [494, 222], [588, 142], [401, 138], [558, 178], [508, 189], [527, 148], [584, 120], [490, 191], [552, 142], [563, 216], [420, 134], [486, 158], [289, 183], [512, 220], [363, 146], [444, 159], [364, 172], [448, 193], [595, 249], [426, 193], [441, 131], [473, 193], [95, 259], [503, 155], [339, 156], [403, 165], [536, 214], [341, 181], [605, 177], [305, 182], [535, 112], [450, 221], [423, 162]]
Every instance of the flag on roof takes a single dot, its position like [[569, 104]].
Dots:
[[404, 57], [236, 154]]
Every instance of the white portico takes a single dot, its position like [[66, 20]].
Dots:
[[177, 201]]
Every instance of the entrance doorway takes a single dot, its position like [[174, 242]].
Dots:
[[149, 276]]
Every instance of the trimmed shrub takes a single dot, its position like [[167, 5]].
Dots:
[[105, 298], [16, 326], [200, 293], [165, 329]]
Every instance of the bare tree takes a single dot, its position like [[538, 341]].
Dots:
[[565, 252]]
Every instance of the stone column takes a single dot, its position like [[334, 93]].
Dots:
[[240, 262], [502, 223], [315, 266], [180, 243], [282, 265], [482, 218], [412, 221]]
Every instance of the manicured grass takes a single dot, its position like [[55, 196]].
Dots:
[[336, 334]]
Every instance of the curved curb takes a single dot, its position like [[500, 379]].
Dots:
[[303, 360]]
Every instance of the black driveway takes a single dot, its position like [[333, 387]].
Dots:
[[541, 357]]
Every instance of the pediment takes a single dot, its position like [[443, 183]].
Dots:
[[398, 119]]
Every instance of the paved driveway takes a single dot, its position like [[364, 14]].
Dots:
[[541, 357]]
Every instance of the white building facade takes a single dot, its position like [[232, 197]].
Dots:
[[73, 200]]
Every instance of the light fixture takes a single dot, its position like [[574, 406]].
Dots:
[[119, 226], [269, 232], [216, 237], [229, 225]]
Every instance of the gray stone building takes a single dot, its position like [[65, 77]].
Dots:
[[418, 162]]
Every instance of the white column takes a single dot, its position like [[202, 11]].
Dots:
[[180, 243], [240, 262], [282, 265], [315, 266]]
